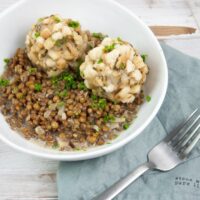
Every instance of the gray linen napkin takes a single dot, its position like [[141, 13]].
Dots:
[[84, 180]]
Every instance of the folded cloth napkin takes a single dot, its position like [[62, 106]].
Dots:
[[84, 180]]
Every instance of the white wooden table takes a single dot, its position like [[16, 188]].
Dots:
[[29, 178]]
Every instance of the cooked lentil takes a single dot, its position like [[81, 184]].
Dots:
[[67, 121]]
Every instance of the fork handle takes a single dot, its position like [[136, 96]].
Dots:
[[123, 183]]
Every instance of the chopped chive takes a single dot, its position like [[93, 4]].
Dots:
[[63, 93], [37, 34], [82, 86], [98, 36], [77, 149], [70, 83], [94, 97], [126, 126], [54, 80], [109, 48], [32, 70], [119, 39], [4, 82], [38, 87], [106, 118], [94, 105], [148, 98], [102, 103], [98, 103], [100, 61], [73, 24], [60, 42], [40, 19], [6, 60], [57, 19], [55, 145], [60, 104], [68, 79], [90, 46], [144, 57], [109, 118]]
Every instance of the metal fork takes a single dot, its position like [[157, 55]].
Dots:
[[169, 153]]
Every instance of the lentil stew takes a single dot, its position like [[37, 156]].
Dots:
[[60, 111]]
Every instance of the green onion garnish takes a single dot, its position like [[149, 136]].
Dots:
[[126, 126], [82, 86], [6, 60], [32, 70], [109, 48], [60, 42], [37, 34], [144, 57], [60, 104], [148, 98], [57, 19], [38, 87], [73, 24], [55, 145], [119, 39], [102, 103], [100, 61], [4, 82], [98, 36], [63, 93], [109, 118]]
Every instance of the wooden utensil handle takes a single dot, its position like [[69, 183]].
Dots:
[[171, 30]]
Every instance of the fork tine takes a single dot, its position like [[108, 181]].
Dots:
[[185, 137], [189, 148], [177, 130]]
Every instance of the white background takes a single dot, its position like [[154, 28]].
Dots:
[[29, 178]]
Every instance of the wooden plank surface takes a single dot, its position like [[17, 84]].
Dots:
[[23, 177]]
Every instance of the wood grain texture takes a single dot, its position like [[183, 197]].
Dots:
[[162, 12], [23, 177], [172, 30], [194, 6]]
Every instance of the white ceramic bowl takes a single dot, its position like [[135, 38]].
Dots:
[[104, 16]]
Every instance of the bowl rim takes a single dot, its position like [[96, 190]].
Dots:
[[114, 146]]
